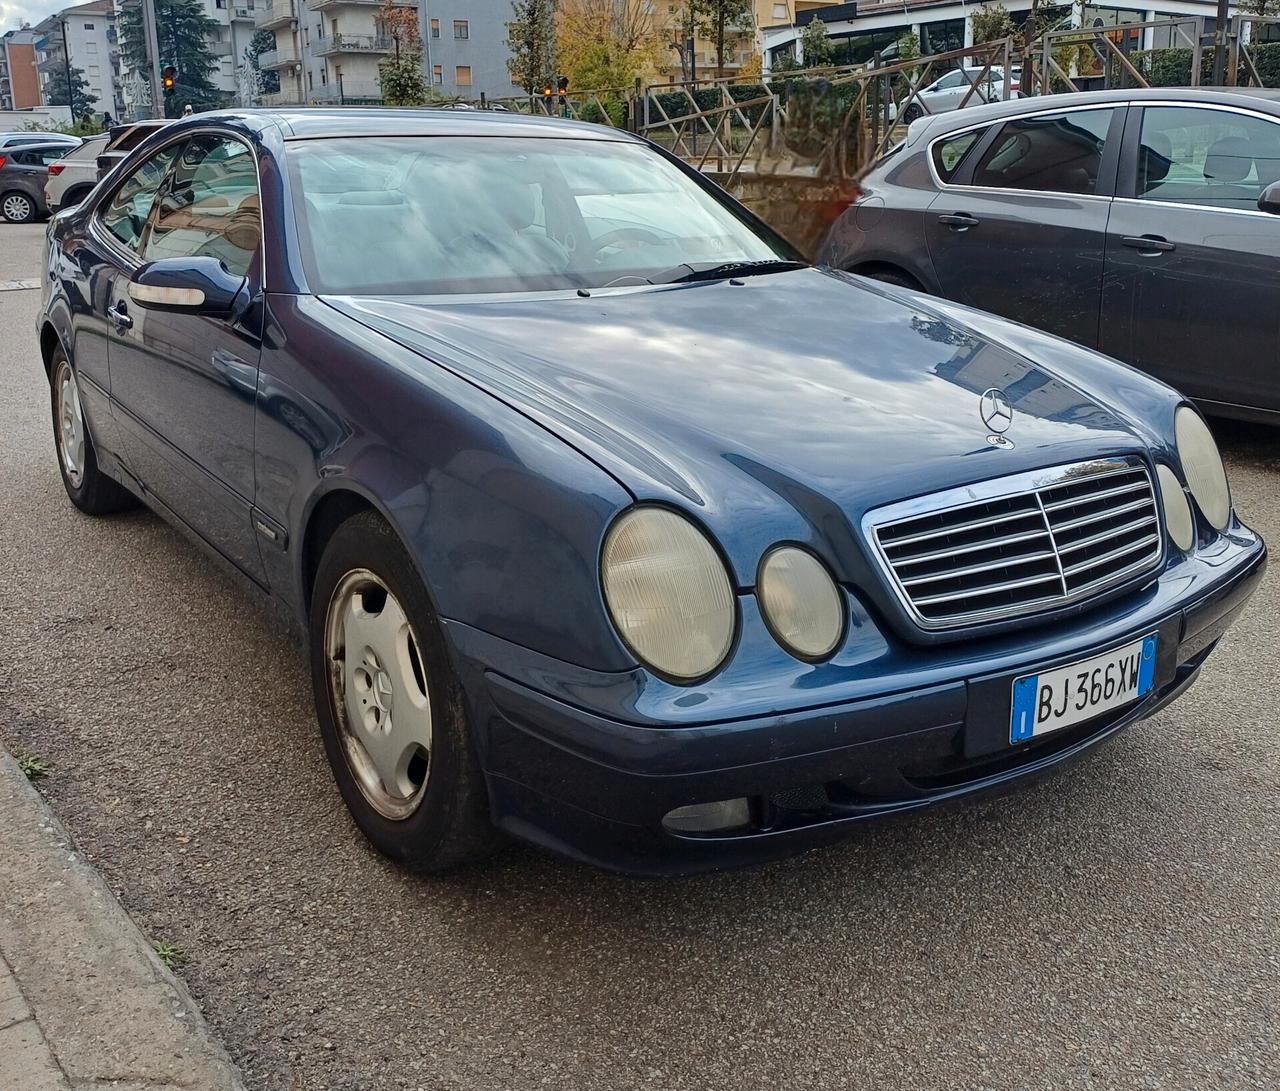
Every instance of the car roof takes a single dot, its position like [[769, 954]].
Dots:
[[314, 122], [42, 145], [1261, 98]]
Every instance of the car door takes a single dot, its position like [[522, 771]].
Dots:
[[184, 384], [944, 94], [1192, 287], [1020, 229]]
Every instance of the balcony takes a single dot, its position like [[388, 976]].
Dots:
[[272, 14], [321, 5], [283, 97], [354, 93], [350, 43], [286, 56]]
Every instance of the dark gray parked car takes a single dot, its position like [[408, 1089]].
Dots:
[[24, 169], [1142, 223]]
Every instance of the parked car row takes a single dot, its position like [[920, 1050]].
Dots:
[[615, 526]]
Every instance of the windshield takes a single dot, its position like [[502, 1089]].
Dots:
[[449, 215]]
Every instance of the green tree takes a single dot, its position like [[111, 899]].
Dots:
[[183, 31], [992, 22], [79, 99], [817, 47], [716, 19], [531, 41], [400, 73], [262, 42]]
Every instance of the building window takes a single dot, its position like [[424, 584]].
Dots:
[[461, 29], [437, 74], [88, 26], [462, 75], [311, 85], [91, 47], [779, 11], [324, 76], [435, 28], [93, 70]]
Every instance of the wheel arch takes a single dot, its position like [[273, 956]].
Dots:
[[328, 511], [51, 339], [870, 268]]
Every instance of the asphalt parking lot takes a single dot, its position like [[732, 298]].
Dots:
[[1116, 927]]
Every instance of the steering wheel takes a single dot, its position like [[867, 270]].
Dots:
[[623, 235]]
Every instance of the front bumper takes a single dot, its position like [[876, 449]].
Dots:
[[596, 789]]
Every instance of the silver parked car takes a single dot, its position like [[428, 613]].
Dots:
[[23, 171], [962, 87]]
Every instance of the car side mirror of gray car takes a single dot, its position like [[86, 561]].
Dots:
[[1269, 199], [197, 285]]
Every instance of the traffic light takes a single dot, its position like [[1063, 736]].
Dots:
[[169, 78]]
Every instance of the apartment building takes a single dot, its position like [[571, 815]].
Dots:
[[88, 32], [19, 80], [467, 47], [327, 51]]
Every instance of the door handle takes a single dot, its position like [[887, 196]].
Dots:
[[120, 316], [960, 221], [1147, 244]]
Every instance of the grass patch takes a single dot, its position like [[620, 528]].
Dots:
[[171, 956], [33, 767]]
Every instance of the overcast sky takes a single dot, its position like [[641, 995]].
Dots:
[[14, 12]]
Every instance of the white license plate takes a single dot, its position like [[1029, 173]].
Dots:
[[1070, 695]]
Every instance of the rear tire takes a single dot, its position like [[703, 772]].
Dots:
[[74, 196], [390, 705], [892, 276], [88, 488], [912, 113], [17, 207]]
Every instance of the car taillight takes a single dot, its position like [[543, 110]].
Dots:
[[56, 168], [3, 160]]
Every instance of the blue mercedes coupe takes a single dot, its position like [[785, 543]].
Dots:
[[611, 524]]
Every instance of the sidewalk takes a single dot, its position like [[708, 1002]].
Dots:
[[84, 1000]]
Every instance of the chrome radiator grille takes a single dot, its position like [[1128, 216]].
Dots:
[[1020, 545]]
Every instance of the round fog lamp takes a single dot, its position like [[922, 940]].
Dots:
[[1177, 512], [801, 602]]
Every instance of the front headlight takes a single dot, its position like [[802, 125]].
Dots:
[[1177, 512], [801, 602], [668, 592], [1202, 466]]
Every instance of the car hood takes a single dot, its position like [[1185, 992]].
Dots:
[[772, 409]]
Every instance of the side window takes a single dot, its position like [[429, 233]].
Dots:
[[210, 206], [949, 152], [125, 215], [950, 81], [1058, 153], [49, 155], [1206, 157]]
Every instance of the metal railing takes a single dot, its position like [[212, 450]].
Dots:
[[280, 56], [350, 43], [612, 107], [1053, 57], [1242, 59]]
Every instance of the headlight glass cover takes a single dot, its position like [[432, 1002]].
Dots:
[[801, 602], [1177, 512], [1202, 466], [668, 593]]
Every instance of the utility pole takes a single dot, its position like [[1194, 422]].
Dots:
[[66, 60], [153, 52], [424, 33]]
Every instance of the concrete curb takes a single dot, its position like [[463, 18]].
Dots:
[[99, 1004]]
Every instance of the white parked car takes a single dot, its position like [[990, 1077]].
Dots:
[[948, 92], [9, 140], [73, 176]]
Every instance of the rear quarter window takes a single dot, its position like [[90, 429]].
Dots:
[[950, 152]]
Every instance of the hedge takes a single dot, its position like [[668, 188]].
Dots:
[[1172, 67]]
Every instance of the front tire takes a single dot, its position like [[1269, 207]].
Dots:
[[17, 208], [390, 704], [88, 488]]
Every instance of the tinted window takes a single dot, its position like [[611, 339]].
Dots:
[[126, 213], [949, 152], [950, 80], [445, 215], [1060, 153], [1206, 157], [209, 206]]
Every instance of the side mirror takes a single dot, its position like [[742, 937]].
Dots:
[[194, 285], [1269, 199]]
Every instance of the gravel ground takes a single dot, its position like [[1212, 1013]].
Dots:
[[1115, 927]]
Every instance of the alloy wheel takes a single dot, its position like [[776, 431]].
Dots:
[[16, 208], [379, 693], [70, 425]]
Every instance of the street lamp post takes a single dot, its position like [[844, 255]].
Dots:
[[66, 61]]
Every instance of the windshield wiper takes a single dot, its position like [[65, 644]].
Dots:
[[729, 269]]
